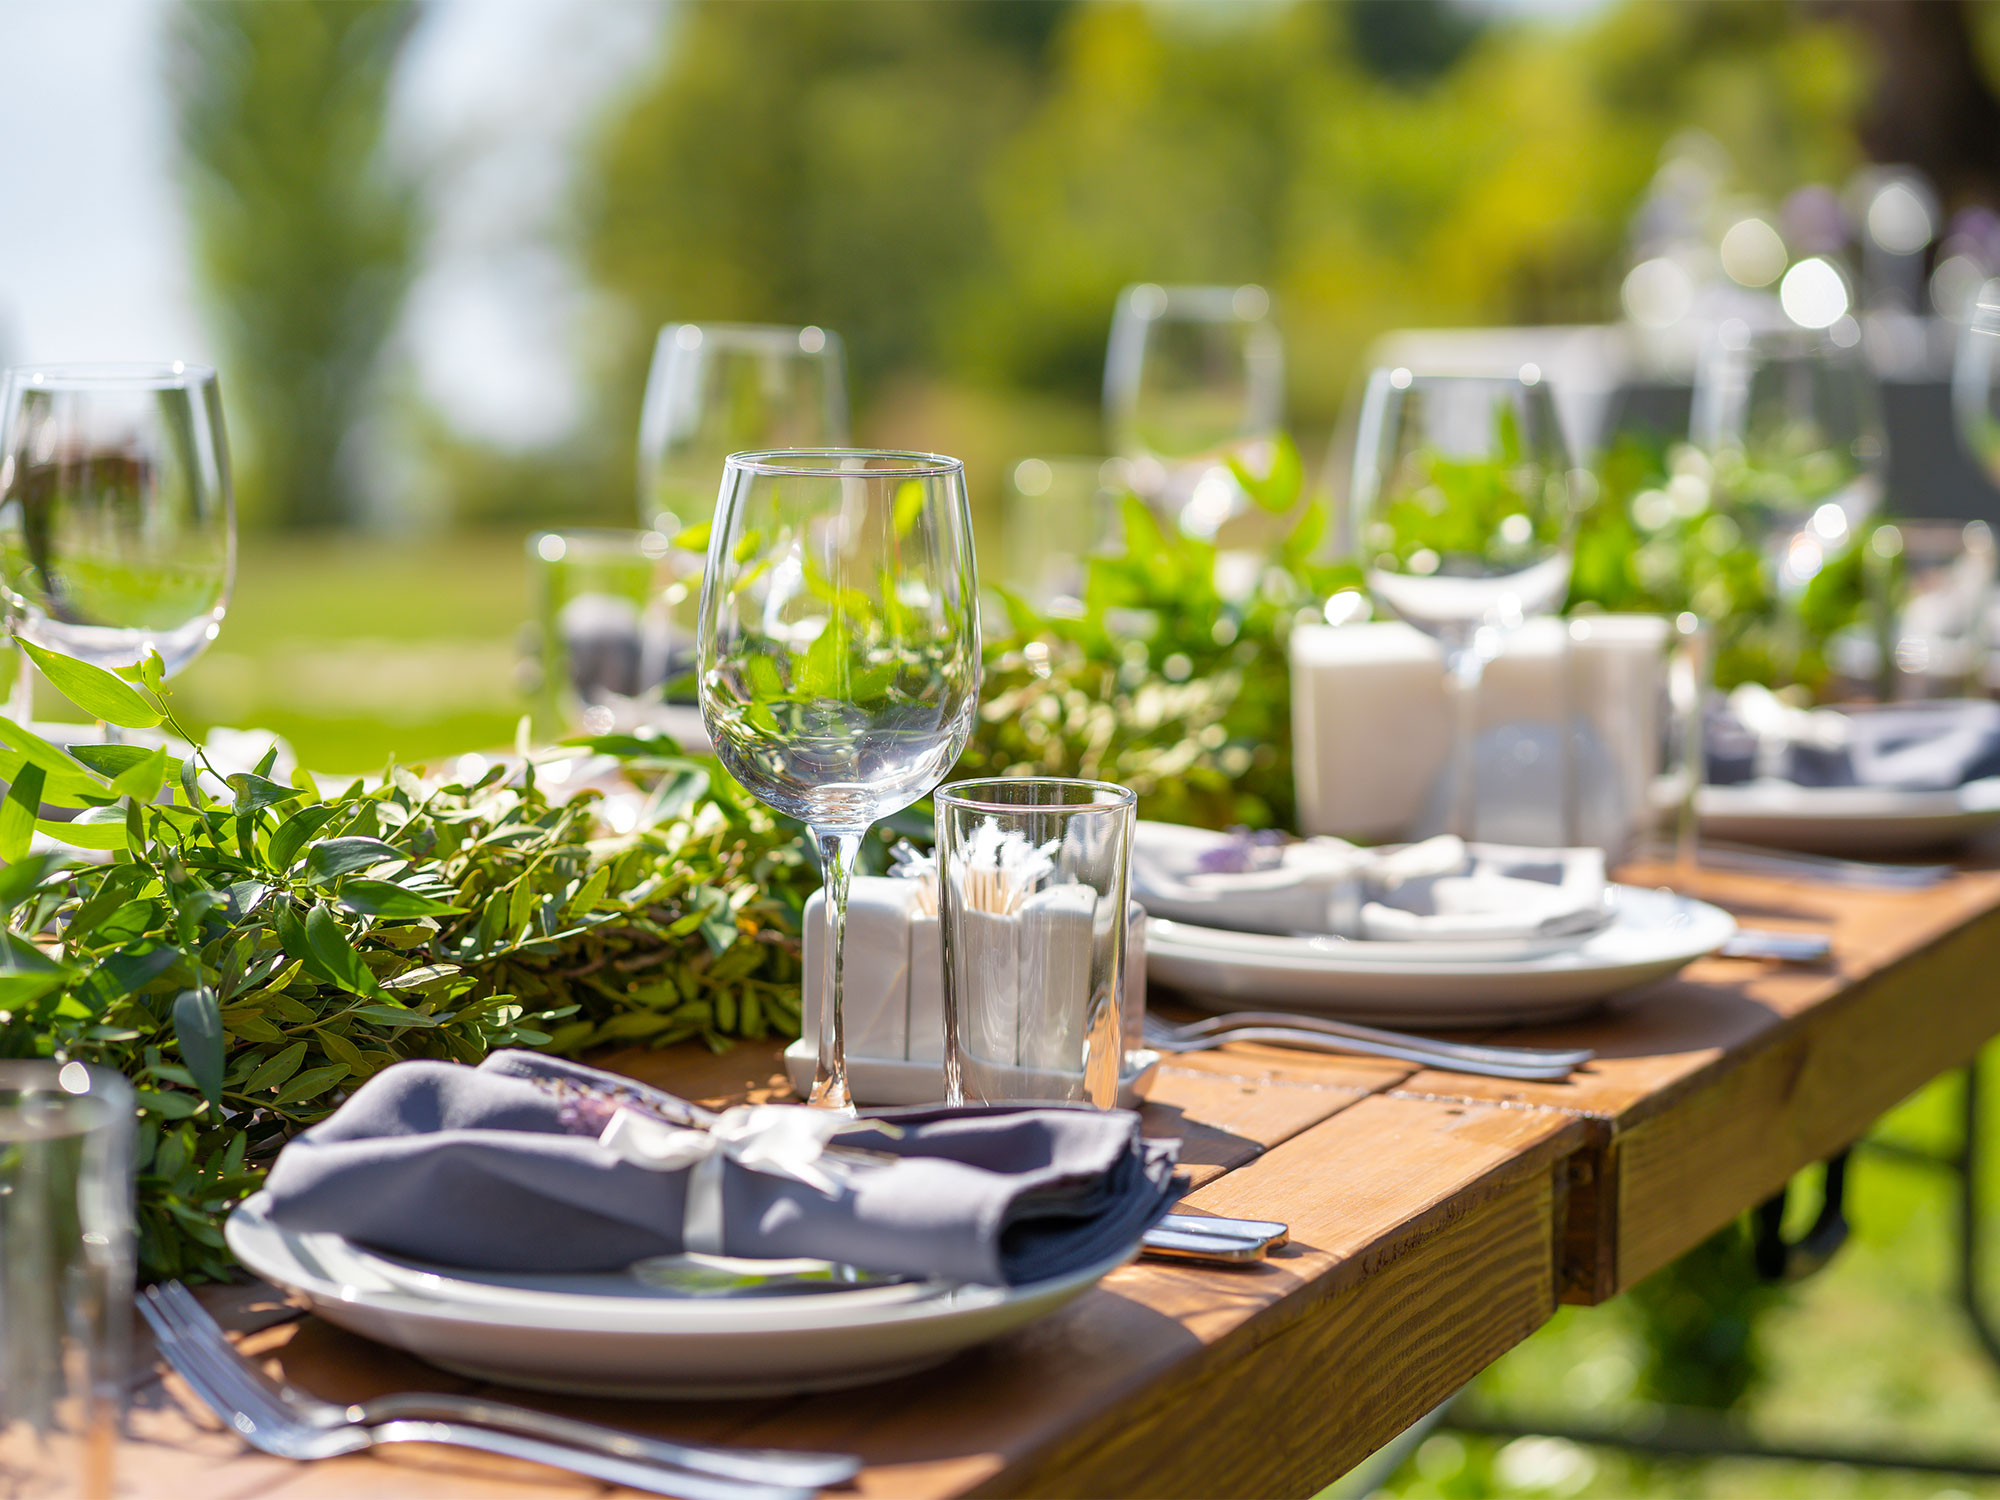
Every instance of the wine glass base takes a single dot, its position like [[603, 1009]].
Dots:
[[831, 1094]]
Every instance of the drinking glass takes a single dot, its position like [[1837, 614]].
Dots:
[[717, 389], [1190, 373], [1791, 422], [1032, 914], [721, 388], [838, 652], [117, 519], [1975, 382], [1460, 516], [65, 1275], [603, 641], [1058, 512]]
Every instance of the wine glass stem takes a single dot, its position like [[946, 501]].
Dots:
[[837, 854], [1466, 665]]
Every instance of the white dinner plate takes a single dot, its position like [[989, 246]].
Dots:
[[1847, 819], [614, 1336], [1654, 934]]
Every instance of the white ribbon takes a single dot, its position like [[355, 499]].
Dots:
[[780, 1140]]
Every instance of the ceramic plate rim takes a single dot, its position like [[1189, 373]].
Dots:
[[1295, 954], [247, 1221]]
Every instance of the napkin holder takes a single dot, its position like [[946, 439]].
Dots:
[[893, 997]]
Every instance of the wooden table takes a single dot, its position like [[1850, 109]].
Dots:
[[1437, 1220]]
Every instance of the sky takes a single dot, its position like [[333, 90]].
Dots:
[[490, 101]]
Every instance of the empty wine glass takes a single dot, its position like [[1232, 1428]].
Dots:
[[1190, 373], [838, 653], [1790, 420], [722, 388], [117, 520], [1975, 382], [1460, 516]]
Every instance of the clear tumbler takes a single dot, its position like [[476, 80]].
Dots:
[[1032, 915], [65, 1276]]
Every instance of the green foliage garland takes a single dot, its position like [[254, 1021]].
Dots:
[[247, 961]]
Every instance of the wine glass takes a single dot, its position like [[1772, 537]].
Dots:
[[1191, 373], [1791, 423], [117, 519], [1975, 382], [838, 653], [722, 388], [1460, 516]]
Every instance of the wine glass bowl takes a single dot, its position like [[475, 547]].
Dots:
[[1460, 515], [1462, 498], [117, 517], [1791, 423], [721, 388], [838, 650]]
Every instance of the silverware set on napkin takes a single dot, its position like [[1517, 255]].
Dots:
[[291, 1424]]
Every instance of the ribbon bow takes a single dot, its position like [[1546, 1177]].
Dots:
[[779, 1140]]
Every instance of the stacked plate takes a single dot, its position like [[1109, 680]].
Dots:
[[1647, 935], [1858, 820], [693, 1329]]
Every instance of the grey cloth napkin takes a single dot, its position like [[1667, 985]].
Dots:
[[1930, 746], [499, 1167]]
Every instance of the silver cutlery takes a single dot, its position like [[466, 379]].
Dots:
[[1214, 1241], [1317, 1035], [290, 1424], [1821, 869], [1782, 947]]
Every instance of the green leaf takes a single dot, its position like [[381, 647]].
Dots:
[[382, 898], [62, 769], [254, 792], [19, 879], [908, 505], [313, 1082], [276, 1068], [94, 828], [824, 670], [391, 1015], [1278, 489], [191, 791], [143, 779], [330, 859], [18, 814], [331, 947], [694, 538], [295, 830], [198, 1032], [94, 690]]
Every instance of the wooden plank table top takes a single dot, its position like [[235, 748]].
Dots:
[[1437, 1220]]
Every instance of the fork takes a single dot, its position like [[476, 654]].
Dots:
[[1317, 1034], [758, 1465], [287, 1425]]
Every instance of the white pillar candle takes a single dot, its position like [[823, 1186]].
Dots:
[[1618, 666], [1370, 727]]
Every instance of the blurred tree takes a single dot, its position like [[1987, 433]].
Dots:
[[303, 238], [962, 189]]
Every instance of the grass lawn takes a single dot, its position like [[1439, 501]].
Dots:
[[354, 648]]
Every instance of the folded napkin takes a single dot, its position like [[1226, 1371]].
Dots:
[[1438, 890], [528, 1163], [1927, 746]]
